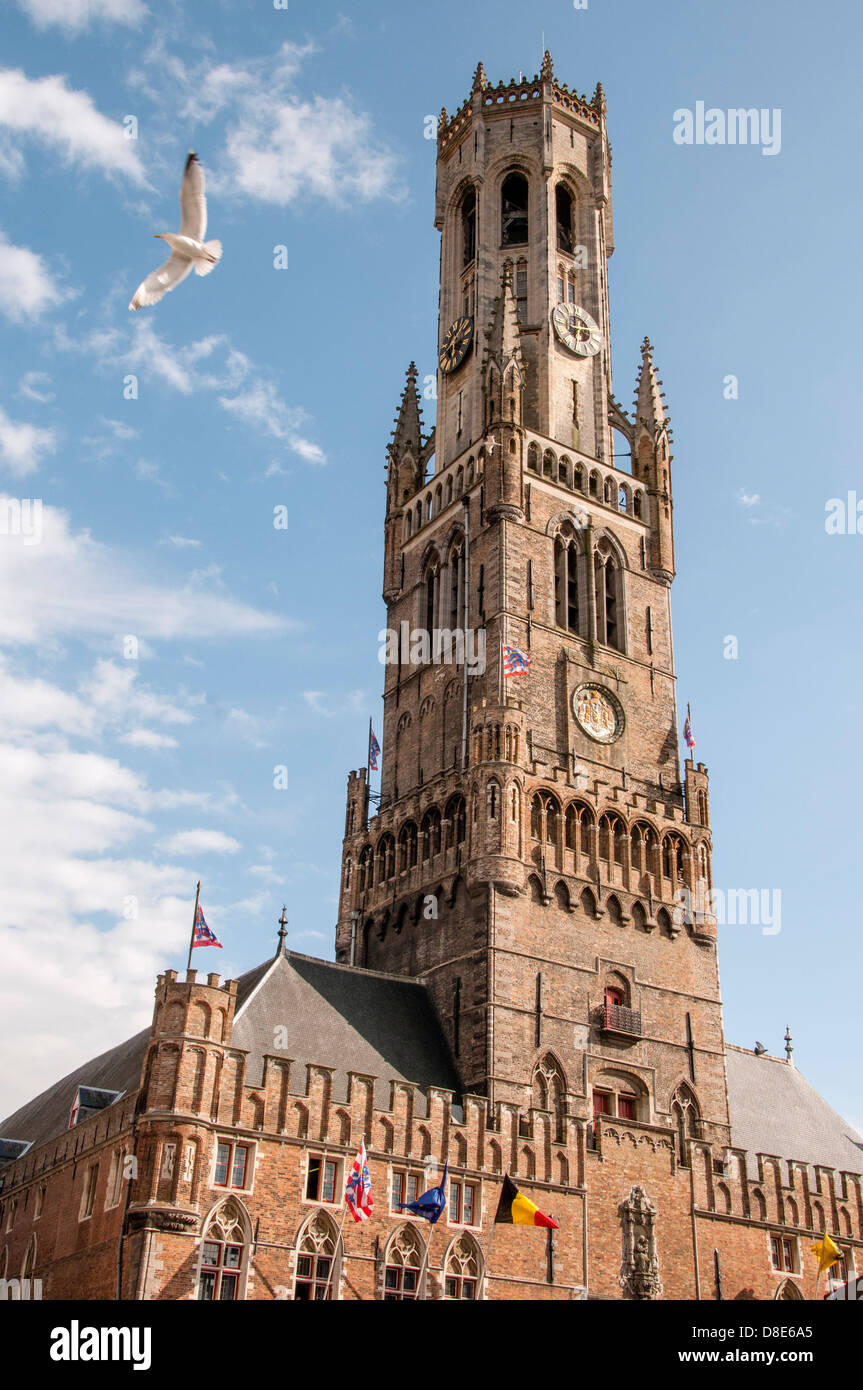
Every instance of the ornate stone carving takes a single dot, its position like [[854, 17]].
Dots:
[[639, 1272]]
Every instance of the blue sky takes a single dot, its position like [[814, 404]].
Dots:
[[126, 780]]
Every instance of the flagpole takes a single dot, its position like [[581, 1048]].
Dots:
[[336, 1250], [487, 1255], [194, 920]]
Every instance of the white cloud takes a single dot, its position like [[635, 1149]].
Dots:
[[46, 110], [33, 385], [148, 738], [261, 406], [319, 702], [201, 842], [748, 499], [27, 287], [70, 584], [181, 542], [22, 445], [76, 15]]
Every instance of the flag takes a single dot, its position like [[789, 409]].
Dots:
[[431, 1204], [374, 751], [202, 935], [515, 663], [688, 736], [358, 1193], [826, 1253], [73, 1113], [514, 1209]]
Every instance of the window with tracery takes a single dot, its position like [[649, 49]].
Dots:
[[316, 1262], [403, 1266], [513, 210], [461, 1278], [223, 1253]]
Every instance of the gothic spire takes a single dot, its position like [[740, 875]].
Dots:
[[649, 406], [547, 69], [504, 336], [408, 425], [480, 81]]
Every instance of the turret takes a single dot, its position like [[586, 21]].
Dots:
[[405, 476], [651, 462]]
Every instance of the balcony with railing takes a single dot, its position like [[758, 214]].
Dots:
[[622, 1022]]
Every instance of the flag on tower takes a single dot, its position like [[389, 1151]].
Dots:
[[515, 663], [358, 1193], [202, 935], [431, 1204], [514, 1209], [374, 750], [688, 736]]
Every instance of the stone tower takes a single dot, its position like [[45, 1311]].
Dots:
[[535, 834]]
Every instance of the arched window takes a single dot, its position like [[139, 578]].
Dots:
[[455, 816], [513, 210], [548, 464], [638, 504], [563, 203], [548, 1092], [618, 1095], [462, 1270], [317, 1261], [566, 597], [403, 1266], [609, 628], [430, 833], [672, 857], [366, 869], [456, 587], [468, 227], [612, 834], [686, 1116], [28, 1268], [432, 595], [533, 457], [544, 815], [224, 1254], [407, 846], [386, 859]]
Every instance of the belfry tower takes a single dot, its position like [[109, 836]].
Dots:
[[535, 835]]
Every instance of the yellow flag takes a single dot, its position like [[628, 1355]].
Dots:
[[826, 1253]]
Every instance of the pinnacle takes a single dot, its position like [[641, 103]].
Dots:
[[504, 337], [480, 81], [547, 69], [649, 406]]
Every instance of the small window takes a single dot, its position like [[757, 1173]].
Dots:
[[322, 1179], [232, 1160], [89, 1196], [468, 228], [405, 1188], [40, 1202], [462, 1203], [602, 1103], [782, 1254]]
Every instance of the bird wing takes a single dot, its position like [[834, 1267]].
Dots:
[[193, 203], [159, 281]]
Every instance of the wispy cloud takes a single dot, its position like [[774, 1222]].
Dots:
[[200, 842], [76, 15], [27, 287], [22, 445], [46, 110], [261, 406]]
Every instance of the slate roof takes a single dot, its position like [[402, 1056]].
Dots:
[[774, 1110], [349, 1019], [336, 1015]]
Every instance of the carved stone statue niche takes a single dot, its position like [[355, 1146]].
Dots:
[[639, 1272]]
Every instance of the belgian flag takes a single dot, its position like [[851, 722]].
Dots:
[[514, 1209]]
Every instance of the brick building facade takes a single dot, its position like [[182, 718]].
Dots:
[[526, 975]]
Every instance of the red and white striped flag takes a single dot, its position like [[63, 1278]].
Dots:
[[358, 1193]]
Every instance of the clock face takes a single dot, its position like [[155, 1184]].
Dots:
[[576, 329], [456, 344]]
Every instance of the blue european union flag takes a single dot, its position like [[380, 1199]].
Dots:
[[431, 1204]]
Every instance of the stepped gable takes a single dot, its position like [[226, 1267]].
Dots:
[[774, 1110], [347, 1019]]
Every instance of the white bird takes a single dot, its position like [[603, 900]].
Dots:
[[188, 248]]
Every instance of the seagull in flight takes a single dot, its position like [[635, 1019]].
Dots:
[[188, 248]]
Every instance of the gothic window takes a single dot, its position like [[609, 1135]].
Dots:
[[456, 588], [317, 1264], [366, 869], [563, 202], [578, 478], [672, 857], [566, 596], [563, 471], [89, 1194], [513, 210], [643, 846], [612, 834], [686, 1116], [702, 808], [638, 506], [407, 846], [448, 492], [468, 227], [548, 462], [224, 1250], [455, 816], [608, 491], [418, 516], [544, 815], [493, 796], [533, 458], [430, 833], [593, 486], [548, 1092], [115, 1182], [608, 585], [461, 1273], [386, 859], [403, 1265]]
